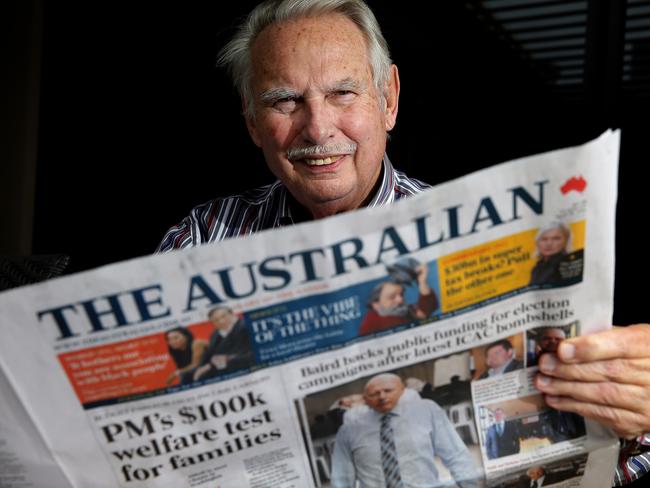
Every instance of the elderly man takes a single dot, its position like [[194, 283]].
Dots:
[[387, 307], [319, 93], [500, 358], [229, 348], [394, 442]]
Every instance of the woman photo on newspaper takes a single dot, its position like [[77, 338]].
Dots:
[[556, 266], [185, 351]]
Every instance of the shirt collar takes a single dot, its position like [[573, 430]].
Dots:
[[399, 408], [500, 369], [538, 481], [386, 192], [224, 332]]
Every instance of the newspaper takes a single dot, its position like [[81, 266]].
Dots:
[[254, 362]]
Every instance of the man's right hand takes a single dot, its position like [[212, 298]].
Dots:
[[602, 376]]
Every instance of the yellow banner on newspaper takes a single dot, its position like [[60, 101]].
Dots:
[[494, 268]]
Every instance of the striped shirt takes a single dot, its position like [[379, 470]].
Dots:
[[266, 207], [634, 460]]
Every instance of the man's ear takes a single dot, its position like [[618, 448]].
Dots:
[[391, 98], [375, 306], [251, 125]]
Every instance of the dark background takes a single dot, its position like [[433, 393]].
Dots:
[[118, 122]]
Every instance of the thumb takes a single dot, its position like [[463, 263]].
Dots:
[[618, 342]]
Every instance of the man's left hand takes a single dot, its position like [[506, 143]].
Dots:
[[604, 377]]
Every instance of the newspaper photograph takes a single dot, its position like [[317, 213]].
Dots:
[[393, 342]]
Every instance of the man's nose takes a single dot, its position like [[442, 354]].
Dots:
[[318, 126]]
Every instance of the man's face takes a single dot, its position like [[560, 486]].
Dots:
[[535, 473], [497, 356], [499, 415], [551, 242], [312, 86], [221, 319], [382, 394], [550, 340], [391, 300]]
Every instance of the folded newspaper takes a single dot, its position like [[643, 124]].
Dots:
[[394, 343]]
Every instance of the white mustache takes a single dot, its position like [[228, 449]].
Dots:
[[302, 152]]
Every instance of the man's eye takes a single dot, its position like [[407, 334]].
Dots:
[[285, 105], [344, 95]]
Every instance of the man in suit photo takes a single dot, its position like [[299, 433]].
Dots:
[[229, 348], [502, 437], [547, 341], [536, 477], [500, 358]]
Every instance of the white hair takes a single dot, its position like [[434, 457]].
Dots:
[[384, 377], [561, 226], [236, 55]]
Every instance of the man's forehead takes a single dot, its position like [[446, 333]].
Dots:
[[385, 383], [314, 41], [553, 333], [391, 288], [308, 31]]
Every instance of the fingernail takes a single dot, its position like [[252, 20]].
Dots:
[[568, 351], [548, 362], [544, 380]]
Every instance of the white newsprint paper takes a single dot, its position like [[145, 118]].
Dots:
[[395, 341]]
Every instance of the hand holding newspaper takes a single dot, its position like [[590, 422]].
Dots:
[[400, 341]]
